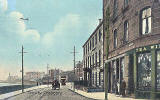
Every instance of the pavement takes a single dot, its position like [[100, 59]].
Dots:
[[98, 95]]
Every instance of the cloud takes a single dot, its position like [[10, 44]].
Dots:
[[65, 25], [13, 26], [3, 5]]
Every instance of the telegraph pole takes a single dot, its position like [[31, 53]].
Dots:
[[22, 69], [74, 61]]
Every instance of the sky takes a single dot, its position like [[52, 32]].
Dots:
[[49, 36]]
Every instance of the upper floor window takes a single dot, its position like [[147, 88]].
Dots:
[[84, 51], [86, 48], [125, 3], [146, 21], [90, 45], [126, 31], [115, 9], [99, 57], [93, 59], [95, 38], [93, 42], [100, 35], [115, 38], [96, 59]]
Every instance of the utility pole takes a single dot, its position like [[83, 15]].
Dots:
[[74, 61], [22, 69]]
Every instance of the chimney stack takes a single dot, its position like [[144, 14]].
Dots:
[[100, 20]]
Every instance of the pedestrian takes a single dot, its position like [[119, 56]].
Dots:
[[123, 88]]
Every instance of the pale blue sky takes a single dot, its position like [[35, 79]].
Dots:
[[54, 27]]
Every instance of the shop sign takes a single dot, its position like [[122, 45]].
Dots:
[[147, 48]]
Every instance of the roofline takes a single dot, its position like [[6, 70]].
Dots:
[[93, 32]]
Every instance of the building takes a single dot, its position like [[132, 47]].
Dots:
[[12, 78], [79, 70], [93, 58], [34, 76], [54, 74], [132, 46]]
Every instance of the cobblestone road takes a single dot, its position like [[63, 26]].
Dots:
[[49, 94]]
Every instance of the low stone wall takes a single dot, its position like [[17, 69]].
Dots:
[[7, 89]]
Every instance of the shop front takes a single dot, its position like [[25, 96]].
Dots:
[[147, 71], [140, 69]]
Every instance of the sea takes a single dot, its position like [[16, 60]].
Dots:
[[7, 84]]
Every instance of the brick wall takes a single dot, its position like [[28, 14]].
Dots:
[[132, 14]]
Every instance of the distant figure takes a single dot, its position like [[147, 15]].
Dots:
[[123, 88]]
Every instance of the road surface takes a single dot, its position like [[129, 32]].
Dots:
[[48, 94]]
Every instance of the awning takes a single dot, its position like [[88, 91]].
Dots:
[[116, 57]]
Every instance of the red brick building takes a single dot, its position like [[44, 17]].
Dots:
[[132, 35]]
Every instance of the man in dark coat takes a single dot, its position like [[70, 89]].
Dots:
[[123, 88]]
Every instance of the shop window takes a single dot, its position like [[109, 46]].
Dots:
[[146, 21], [125, 31], [115, 38], [144, 72], [158, 70]]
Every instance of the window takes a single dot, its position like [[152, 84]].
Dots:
[[88, 63], [95, 38], [115, 9], [96, 59], [115, 38], [99, 57], [126, 31], [93, 60], [125, 3], [144, 71], [146, 21], [93, 42], [86, 49], [158, 71], [90, 45], [100, 35]]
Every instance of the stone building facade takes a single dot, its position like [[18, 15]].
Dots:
[[132, 29], [93, 58], [79, 70]]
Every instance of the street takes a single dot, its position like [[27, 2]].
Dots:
[[48, 94]]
